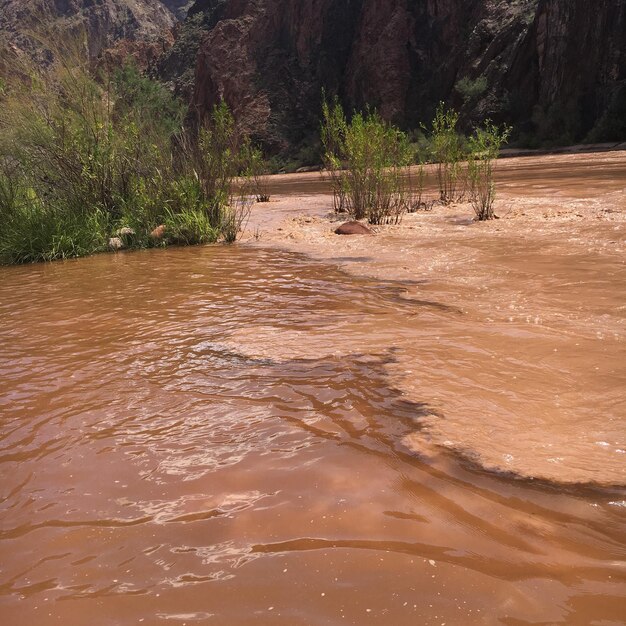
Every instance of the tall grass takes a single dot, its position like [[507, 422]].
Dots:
[[82, 156]]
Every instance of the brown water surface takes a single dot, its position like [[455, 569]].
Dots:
[[570, 175], [521, 352], [227, 436]]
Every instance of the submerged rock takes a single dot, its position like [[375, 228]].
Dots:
[[353, 228]]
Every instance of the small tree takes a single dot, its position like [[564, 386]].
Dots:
[[220, 161], [333, 135], [471, 90], [485, 146], [258, 172], [447, 152], [367, 159], [415, 182]]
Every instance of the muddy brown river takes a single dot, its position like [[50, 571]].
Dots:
[[251, 435]]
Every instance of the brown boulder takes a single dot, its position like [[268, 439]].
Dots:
[[158, 233], [353, 228]]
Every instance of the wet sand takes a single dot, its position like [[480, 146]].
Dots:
[[522, 353]]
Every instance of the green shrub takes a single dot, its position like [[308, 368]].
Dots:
[[485, 146], [333, 136], [147, 103], [189, 228], [234, 217], [415, 183], [83, 156], [366, 159], [220, 161], [448, 153], [471, 90], [38, 233], [259, 175]]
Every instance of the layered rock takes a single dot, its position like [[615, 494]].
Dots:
[[512, 60]]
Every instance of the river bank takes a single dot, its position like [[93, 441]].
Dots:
[[520, 322]]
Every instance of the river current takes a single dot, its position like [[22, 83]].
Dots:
[[226, 435]]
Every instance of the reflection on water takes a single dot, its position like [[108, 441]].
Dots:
[[235, 436]]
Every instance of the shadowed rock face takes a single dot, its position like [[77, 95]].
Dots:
[[523, 61], [570, 71], [178, 8]]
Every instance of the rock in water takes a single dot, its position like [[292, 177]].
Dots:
[[353, 228], [127, 236]]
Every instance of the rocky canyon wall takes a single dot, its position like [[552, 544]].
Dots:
[[555, 69]]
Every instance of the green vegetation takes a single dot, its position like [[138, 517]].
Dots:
[[368, 162], [259, 175], [366, 159], [85, 158], [470, 90], [415, 182], [189, 228], [466, 164], [448, 153], [485, 146]]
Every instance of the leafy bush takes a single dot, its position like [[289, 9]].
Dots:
[[366, 159], [415, 190], [485, 146], [448, 153], [35, 232], [235, 216], [189, 228], [471, 90], [220, 160], [333, 136], [259, 175]]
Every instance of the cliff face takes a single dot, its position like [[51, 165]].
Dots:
[[553, 68], [26, 26], [569, 74]]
